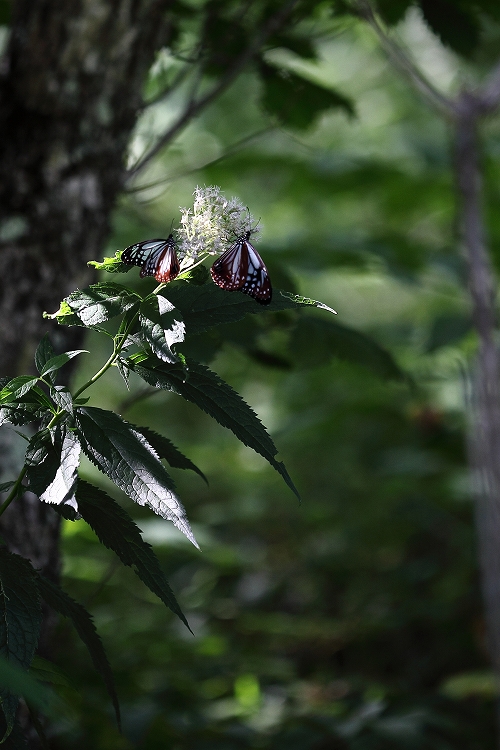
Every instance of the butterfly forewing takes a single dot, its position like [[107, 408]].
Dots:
[[241, 268], [137, 255], [229, 271]]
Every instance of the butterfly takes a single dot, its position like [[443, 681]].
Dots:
[[157, 258], [242, 269]]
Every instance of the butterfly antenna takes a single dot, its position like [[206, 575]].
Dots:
[[256, 226]]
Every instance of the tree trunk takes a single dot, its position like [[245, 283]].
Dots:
[[70, 88], [484, 426]]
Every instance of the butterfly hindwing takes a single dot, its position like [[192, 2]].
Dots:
[[157, 258], [164, 266], [241, 268]]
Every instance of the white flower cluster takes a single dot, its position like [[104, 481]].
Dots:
[[211, 225]]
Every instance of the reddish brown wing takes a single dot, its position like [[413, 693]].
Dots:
[[229, 271], [242, 269], [162, 262]]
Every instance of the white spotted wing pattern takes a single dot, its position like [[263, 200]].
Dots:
[[242, 269]]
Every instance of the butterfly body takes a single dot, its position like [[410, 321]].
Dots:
[[242, 269], [157, 258]]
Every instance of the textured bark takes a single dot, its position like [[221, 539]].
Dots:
[[70, 88], [484, 427]]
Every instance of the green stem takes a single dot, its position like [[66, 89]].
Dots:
[[118, 346], [14, 491]]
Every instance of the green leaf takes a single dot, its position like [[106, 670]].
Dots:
[[52, 459], [121, 452], [207, 306], [64, 316], [118, 532], [457, 26], [392, 11], [15, 740], [315, 341], [161, 327], [301, 45], [45, 671], [111, 265], [204, 388], [17, 388], [20, 620], [123, 372], [43, 457], [38, 396], [6, 486], [95, 304], [44, 352], [448, 330], [19, 682], [59, 601], [5, 12], [19, 414], [167, 450], [62, 488], [296, 102], [54, 363], [62, 398]]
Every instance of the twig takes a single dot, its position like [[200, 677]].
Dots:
[[484, 426], [490, 94], [435, 98], [178, 79], [127, 403], [273, 24], [233, 149]]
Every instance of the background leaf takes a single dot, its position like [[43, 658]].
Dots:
[[295, 101], [454, 23], [205, 389], [59, 601], [118, 532], [315, 341], [20, 620], [204, 307]]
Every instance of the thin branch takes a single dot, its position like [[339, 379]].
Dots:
[[489, 96], [435, 98], [194, 108], [178, 79], [233, 149]]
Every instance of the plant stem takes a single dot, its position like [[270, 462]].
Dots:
[[14, 491], [118, 346]]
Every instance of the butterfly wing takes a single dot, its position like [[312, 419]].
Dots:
[[257, 282], [241, 268], [166, 264], [229, 271], [138, 254]]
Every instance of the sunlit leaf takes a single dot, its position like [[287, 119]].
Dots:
[[121, 452]]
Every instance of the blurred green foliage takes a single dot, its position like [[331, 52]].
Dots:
[[352, 621]]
